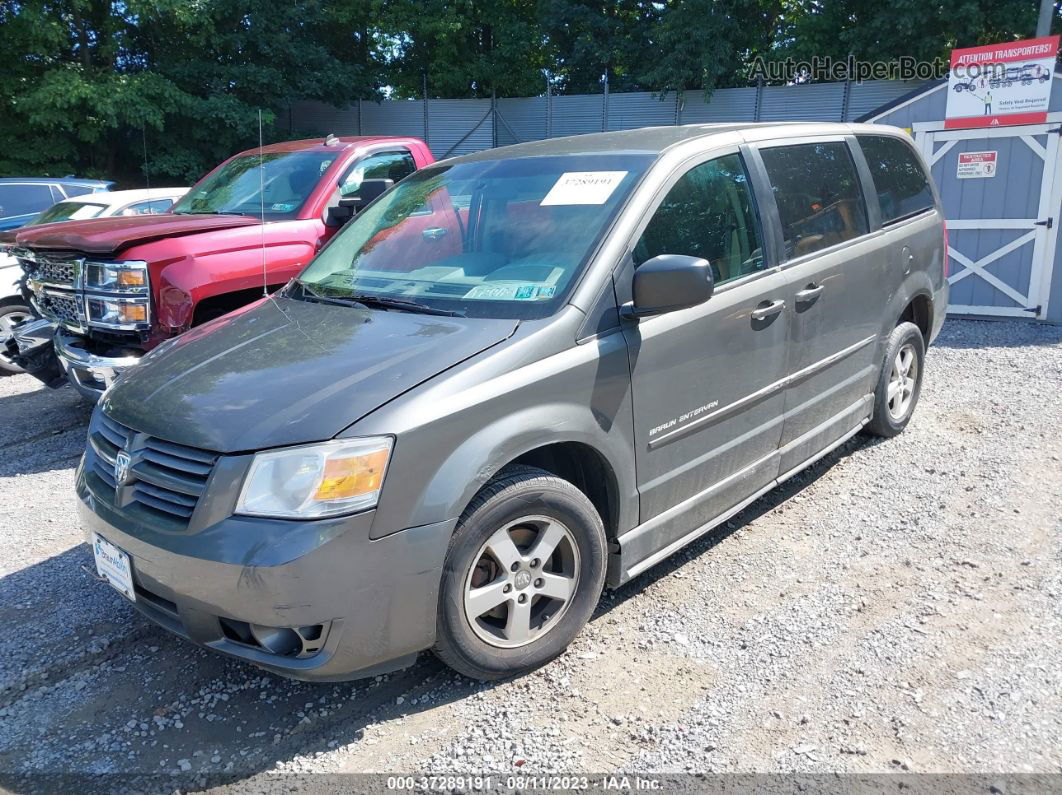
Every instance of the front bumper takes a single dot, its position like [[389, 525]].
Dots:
[[377, 599], [89, 373]]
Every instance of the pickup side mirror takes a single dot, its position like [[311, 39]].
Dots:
[[669, 282], [348, 206]]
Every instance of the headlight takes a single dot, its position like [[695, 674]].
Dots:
[[316, 480], [118, 276], [117, 312]]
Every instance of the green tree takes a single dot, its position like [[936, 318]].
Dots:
[[85, 79], [874, 31], [464, 48]]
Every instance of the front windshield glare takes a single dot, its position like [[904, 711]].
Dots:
[[68, 211], [236, 187], [497, 238]]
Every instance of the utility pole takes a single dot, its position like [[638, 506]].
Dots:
[[1047, 10]]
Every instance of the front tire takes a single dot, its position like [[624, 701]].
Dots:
[[10, 316], [523, 574], [900, 381]]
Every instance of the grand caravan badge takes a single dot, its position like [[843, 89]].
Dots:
[[684, 418]]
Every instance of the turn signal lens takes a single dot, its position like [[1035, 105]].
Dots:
[[350, 477], [132, 278]]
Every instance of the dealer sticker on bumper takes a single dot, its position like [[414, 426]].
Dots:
[[114, 566]]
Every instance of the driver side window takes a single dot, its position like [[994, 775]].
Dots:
[[395, 166], [708, 213]]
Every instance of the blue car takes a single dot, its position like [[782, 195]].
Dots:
[[21, 198]]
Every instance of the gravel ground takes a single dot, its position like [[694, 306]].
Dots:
[[896, 607]]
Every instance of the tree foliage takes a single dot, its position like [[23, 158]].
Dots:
[[87, 83]]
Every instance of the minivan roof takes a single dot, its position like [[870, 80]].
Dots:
[[655, 140]]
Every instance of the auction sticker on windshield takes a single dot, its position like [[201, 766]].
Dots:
[[114, 566], [583, 187]]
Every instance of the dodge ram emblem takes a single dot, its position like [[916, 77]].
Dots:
[[121, 468]]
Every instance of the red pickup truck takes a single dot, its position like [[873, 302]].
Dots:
[[114, 288]]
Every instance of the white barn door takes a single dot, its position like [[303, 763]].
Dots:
[[1001, 192]]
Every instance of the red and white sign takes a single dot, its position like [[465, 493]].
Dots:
[[976, 165], [1001, 84]]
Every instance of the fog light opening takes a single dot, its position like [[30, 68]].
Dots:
[[278, 640]]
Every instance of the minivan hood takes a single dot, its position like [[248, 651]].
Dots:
[[284, 371], [110, 235]]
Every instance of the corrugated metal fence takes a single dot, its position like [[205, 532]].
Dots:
[[459, 126]]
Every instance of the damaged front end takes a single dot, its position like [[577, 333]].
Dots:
[[30, 346], [98, 313]]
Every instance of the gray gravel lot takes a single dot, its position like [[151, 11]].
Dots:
[[897, 607]]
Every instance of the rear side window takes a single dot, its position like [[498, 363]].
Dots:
[[709, 213], [23, 199], [819, 197], [901, 184], [394, 166]]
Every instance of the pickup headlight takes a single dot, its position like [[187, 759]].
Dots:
[[117, 313], [119, 277], [317, 480]]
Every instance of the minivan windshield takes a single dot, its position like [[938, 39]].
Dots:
[[490, 238], [278, 189]]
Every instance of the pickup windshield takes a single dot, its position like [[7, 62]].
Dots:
[[288, 179], [490, 238]]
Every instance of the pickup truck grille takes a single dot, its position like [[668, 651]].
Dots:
[[64, 308], [54, 269], [165, 480]]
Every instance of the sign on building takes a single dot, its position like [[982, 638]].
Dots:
[[976, 165], [1001, 84]]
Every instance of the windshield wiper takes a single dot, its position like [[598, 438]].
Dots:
[[211, 212], [386, 302], [312, 295]]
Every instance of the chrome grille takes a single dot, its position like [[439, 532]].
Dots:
[[166, 480], [63, 308], [51, 269]]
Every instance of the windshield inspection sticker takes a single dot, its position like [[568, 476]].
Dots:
[[583, 187], [510, 292]]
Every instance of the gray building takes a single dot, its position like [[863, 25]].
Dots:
[[1002, 194]]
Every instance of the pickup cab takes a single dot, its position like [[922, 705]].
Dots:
[[112, 289]]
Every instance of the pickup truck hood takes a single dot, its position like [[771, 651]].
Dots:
[[109, 236], [284, 371]]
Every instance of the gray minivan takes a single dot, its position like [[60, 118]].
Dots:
[[515, 378]]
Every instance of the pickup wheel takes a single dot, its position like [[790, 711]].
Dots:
[[900, 381], [10, 316], [523, 574]]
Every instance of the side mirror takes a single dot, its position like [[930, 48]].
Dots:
[[369, 191], [669, 282]]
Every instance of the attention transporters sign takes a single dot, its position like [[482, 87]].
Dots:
[[1001, 84]]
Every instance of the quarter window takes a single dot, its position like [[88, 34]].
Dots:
[[899, 180], [819, 197], [709, 213]]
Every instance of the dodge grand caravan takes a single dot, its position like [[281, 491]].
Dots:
[[512, 379]]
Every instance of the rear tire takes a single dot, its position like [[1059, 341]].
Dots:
[[523, 575], [900, 381]]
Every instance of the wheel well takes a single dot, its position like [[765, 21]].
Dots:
[[919, 312], [584, 468], [218, 305]]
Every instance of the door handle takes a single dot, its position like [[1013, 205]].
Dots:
[[810, 293], [435, 233], [768, 310]]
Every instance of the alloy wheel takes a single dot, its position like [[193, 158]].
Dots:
[[521, 581], [7, 331], [902, 381]]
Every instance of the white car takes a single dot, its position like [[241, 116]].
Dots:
[[13, 309]]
